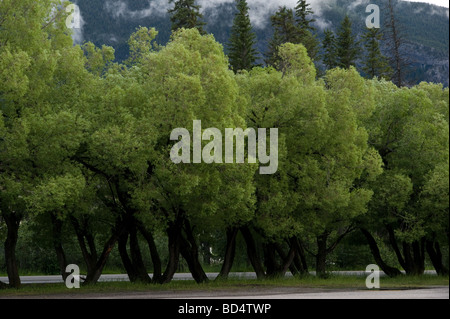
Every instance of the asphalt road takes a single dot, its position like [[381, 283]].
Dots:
[[184, 276]]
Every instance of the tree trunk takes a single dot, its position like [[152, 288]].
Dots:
[[189, 250], [126, 261], [173, 234], [300, 256], [57, 245], [434, 251], [136, 256], [389, 271], [252, 252], [156, 260], [287, 259], [230, 252], [321, 256], [87, 255], [12, 224], [96, 272], [272, 267]]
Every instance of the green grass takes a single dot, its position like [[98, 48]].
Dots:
[[333, 282]]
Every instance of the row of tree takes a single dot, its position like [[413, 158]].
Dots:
[[85, 142], [297, 26]]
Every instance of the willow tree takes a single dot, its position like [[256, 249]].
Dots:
[[39, 91], [189, 80], [408, 124]]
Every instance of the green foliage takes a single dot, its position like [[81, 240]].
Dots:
[[242, 52], [85, 141], [186, 14], [347, 50], [374, 63]]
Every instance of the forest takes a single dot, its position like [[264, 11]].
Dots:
[[86, 176]]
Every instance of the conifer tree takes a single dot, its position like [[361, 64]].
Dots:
[[186, 14], [285, 30], [347, 49], [302, 11], [329, 57], [305, 28], [242, 53], [375, 64]]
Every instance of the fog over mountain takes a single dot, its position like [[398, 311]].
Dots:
[[424, 26]]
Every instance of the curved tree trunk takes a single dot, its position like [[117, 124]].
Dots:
[[156, 260], [173, 234], [189, 250], [230, 252], [252, 252], [388, 270], [434, 251]]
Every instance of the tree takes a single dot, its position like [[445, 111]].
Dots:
[[34, 52], [302, 11], [291, 29], [306, 30], [186, 14], [347, 50], [395, 43], [242, 53], [285, 30], [329, 47], [192, 71], [375, 63], [408, 124]]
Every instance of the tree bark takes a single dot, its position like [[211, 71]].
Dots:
[[272, 267], [300, 256], [230, 252], [189, 250], [57, 245], [321, 256], [434, 251], [12, 223], [252, 252], [388, 270], [136, 256], [156, 260], [173, 234]]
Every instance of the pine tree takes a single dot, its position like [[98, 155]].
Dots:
[[375, 64], [395, 42], [186, 14], [242, 53], [302, 11], [329, 57], [305, 28], [347, 49], [285, 30]]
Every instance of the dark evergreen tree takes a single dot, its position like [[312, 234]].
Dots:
[[186, 14], [375, 64], [285, 30], [305, 28], [395, 42], [329, 57], [242, 52], [347, 48], [303, 11]]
